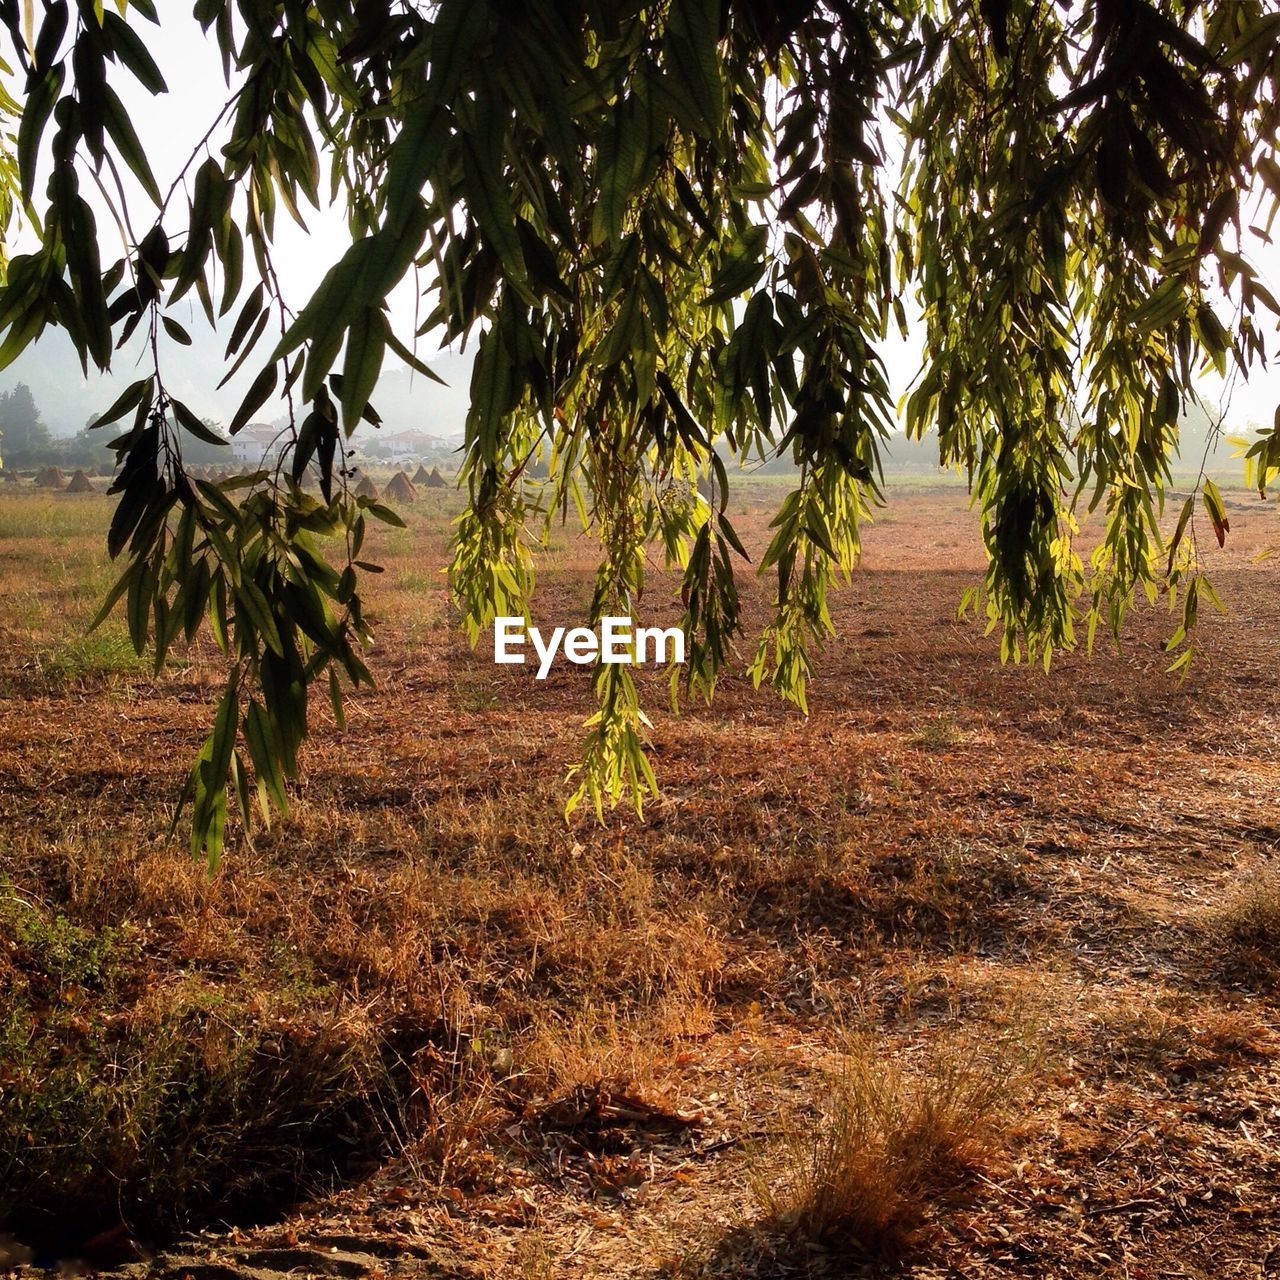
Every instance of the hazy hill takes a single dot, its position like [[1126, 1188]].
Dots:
[[67, 398]]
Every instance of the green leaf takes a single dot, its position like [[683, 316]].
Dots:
[[740, 268], [249, 313], [1216, 511], [693, 62], [731, 534], [335, 700], [619, 164], [138, 605], [412, 360], [240, 783], [122, 585], [35, 115], [1260, 35], [1161, 308], [1187, 508], [266, 752], [189, 422], [176, 331], [250, 597], [134, 395], [128, 46], [366, 345], [232, 267], [383, 513], [257, 395], [414, 155], [368, 271], [455, 33], [120, 127], [689, 198], [490, 204], [209, 818]]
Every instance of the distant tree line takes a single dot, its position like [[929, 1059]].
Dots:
[[26, 440]]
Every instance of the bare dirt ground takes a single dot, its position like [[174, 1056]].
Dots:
[[605, 1040]]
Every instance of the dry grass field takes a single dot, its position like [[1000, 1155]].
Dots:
[[971, 973]]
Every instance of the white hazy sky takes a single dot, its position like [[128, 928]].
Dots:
[[171, 125]]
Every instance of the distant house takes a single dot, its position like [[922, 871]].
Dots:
[[403, 447], [254, 442]]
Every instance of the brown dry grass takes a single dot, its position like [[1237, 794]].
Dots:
[[893, 1146], [406, 974], [1250, 925]]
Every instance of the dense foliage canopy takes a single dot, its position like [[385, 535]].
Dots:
[[678, 231]]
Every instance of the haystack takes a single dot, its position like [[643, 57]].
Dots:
[[435, 480], [400, 488], [367, 489], [49, 478], [80, 483], [421, 476]]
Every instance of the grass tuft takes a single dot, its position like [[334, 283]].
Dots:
[[87, 655], [1249, 925], [893, 1147], [938, 733]]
